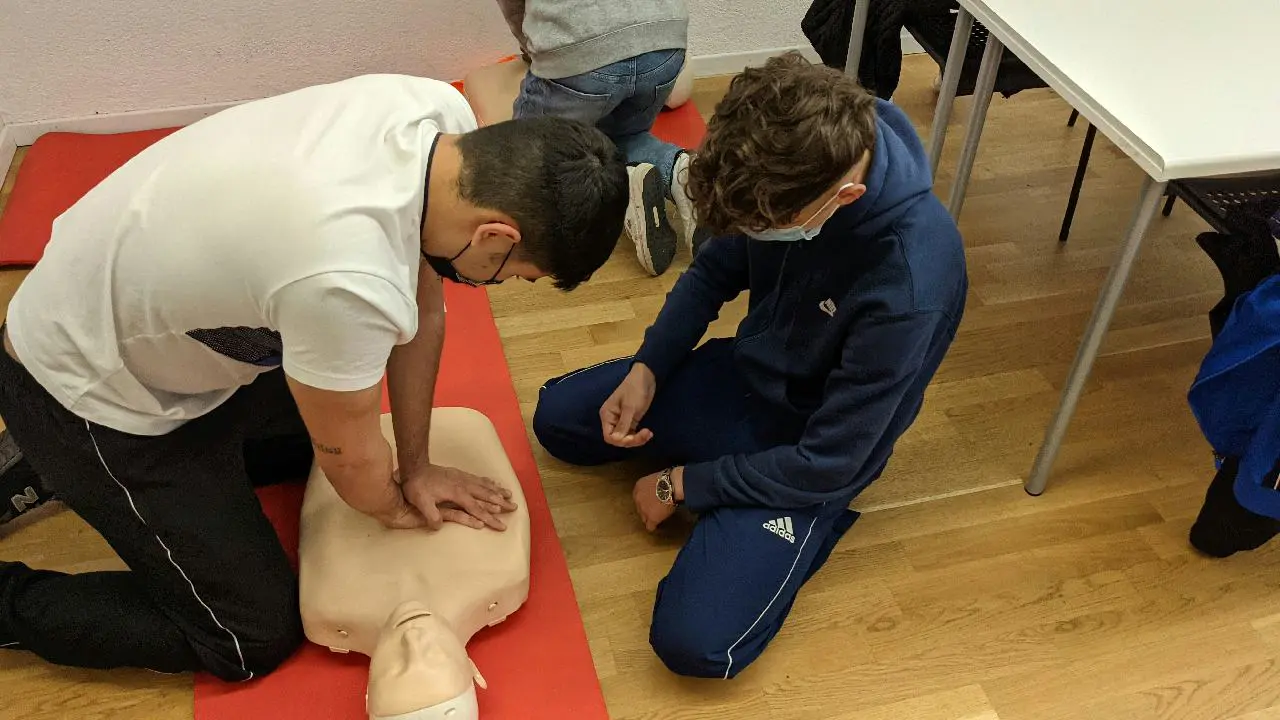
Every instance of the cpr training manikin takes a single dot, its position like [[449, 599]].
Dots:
[[412, 599]]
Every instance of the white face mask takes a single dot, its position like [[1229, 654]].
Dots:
[[796, 233]]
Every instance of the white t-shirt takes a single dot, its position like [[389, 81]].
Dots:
[[284, 231]]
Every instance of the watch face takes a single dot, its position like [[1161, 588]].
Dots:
[[664, 490]]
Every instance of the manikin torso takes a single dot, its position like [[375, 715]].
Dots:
[[412, 599]]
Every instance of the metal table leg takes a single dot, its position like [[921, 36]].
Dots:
[[982, 90], [1148, 201], [950, 81], [861, 8]]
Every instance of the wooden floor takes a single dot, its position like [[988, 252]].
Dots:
[[956, 596]]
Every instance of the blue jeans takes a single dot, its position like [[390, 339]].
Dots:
[[622, 99], [735, 579]]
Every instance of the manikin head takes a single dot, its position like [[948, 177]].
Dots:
[[529, 198], [420, 670], [788, 146]]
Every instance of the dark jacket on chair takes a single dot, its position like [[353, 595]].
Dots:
[[828, 23], [1236, 395]]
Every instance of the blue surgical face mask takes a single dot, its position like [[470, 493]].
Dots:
[[796, 233]]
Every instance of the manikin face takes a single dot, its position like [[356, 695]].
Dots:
[[420, 670]]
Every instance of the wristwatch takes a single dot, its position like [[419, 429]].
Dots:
[[664, 488]]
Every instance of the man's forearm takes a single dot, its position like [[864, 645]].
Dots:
[[366, 483], [411, 379]]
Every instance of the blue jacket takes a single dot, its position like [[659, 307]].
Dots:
[[1236, 395], [842, 333]]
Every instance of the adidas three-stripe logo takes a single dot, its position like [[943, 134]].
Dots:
[[782, 528]]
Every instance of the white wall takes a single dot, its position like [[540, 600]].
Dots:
[[726, 27], [75, 58]]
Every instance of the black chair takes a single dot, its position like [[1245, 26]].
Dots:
[[1221, 202], [1085, 150], [1245, 215], [1076, 184], [932, 25]]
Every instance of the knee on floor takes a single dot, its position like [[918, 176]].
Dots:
[[258, 654], [694, 636], [265, 657], [545, 425], [555, 421], [688, 652], [688, 645]]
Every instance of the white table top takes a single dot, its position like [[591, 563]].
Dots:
[[1186, 89]]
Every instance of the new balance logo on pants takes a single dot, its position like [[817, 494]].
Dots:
[[27, 499], [782, 528]]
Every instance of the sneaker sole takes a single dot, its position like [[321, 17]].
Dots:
[[692, 235], [647, 221]]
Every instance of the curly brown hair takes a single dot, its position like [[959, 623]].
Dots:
[[783, 135]]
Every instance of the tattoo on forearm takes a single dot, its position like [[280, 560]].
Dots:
[[327, 449]]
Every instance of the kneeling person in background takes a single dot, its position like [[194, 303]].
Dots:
[[614, 65]]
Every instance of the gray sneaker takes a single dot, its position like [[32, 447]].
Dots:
[[20, 487], [692, 234], [646, 222]]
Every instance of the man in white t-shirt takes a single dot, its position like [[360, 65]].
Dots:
[[229, 300]]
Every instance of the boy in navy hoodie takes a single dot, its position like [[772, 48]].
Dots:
[[856, 280]]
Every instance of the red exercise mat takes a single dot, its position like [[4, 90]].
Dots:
[[537, 662], [58, 170], [683, 126]]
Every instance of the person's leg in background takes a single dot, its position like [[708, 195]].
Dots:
[[631, 125], [1245, 259], [590, 98], [209, 586], [737, 576], [1224, 527]]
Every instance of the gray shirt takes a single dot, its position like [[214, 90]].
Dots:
[[570, 37]]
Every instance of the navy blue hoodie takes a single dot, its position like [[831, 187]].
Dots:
[[842, 333]]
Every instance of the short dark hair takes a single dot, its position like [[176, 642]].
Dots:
[[782, 135], [563, 182]]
